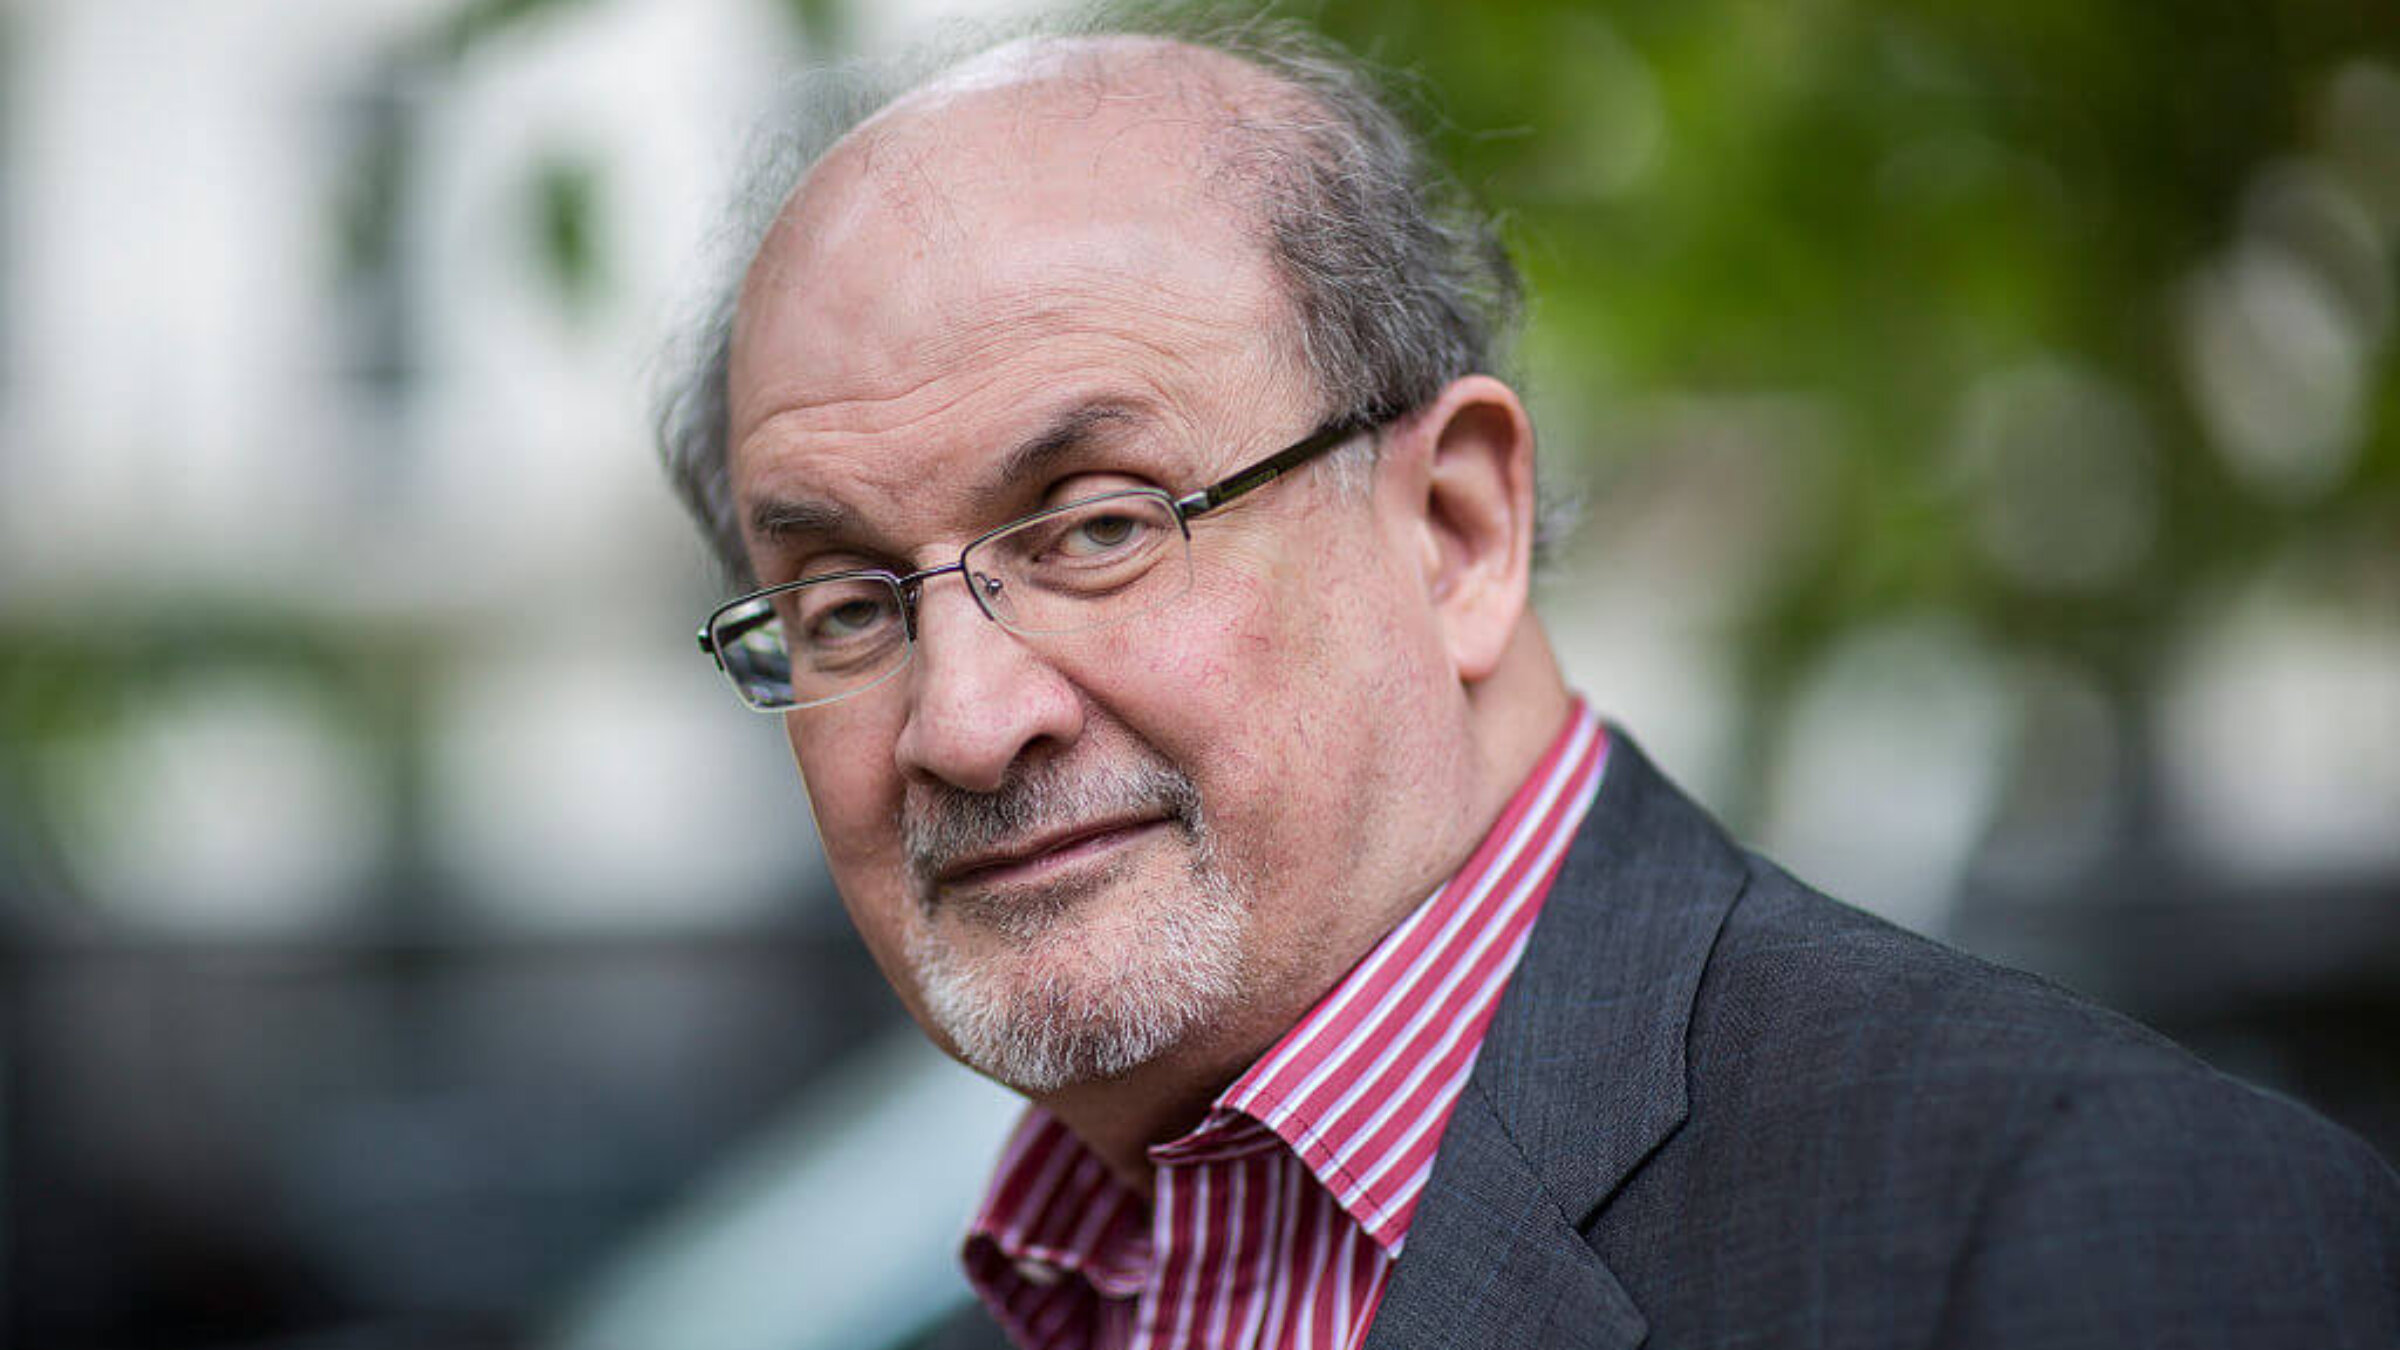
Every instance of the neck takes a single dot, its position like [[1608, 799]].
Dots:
[[1120, 1119], [1516, 713]]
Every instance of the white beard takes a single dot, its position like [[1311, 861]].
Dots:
[[1069, 1005], [1057, 993]]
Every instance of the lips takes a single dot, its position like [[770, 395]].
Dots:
[[1045, 854], [1051, 827]]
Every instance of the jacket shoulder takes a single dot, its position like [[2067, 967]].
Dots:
[[1799, 978], [1808, 1004], [1907, 1144]]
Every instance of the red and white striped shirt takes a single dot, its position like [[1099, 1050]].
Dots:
[[1278, 1218]]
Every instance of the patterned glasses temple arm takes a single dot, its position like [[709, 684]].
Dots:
[[732, 629], [1267, 470]]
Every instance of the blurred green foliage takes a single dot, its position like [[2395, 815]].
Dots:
[[478, 21], [566, 215], [1876, 204], [824, 25], [71, 685]]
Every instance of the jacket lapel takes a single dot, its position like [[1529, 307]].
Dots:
[[1580, 1077], [1491, 1261]]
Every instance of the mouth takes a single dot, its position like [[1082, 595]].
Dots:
[[1047, 857]]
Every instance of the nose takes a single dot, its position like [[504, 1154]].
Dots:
[[978, 697]]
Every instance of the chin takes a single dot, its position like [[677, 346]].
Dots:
[[1072, 990]]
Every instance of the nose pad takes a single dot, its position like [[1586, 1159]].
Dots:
[[983, 586]]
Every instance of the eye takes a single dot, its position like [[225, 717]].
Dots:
[[1098, 535], [840, 615], [851, 616]]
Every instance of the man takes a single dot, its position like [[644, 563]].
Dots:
[[1145, 550]]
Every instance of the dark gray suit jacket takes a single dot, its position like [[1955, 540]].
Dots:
[[1718, 1109]]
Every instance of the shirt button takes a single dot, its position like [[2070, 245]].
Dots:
[[1035, 1271]]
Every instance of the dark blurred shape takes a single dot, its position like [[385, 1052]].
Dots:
[[377, 1143]]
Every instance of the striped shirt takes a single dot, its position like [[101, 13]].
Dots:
[[1277, 1219]]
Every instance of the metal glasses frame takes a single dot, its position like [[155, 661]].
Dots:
[[1187, 508]]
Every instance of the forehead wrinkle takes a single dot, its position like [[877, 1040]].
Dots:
[[858, 439], [839, 415], [806, 458], [1143, 333], [875, 443], [1030, 323], [1100, 297]]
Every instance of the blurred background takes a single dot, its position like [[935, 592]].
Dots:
[[1988, 426]]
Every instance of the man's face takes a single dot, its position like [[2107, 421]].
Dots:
[[1076, 854]]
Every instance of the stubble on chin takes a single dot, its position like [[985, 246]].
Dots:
[[1084, 979], [1024, 915]]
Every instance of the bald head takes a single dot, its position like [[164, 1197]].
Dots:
[[1099, 166], [1390, 283], [1048, 132], [1171, 76]]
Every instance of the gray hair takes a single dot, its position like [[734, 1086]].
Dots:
[[1398, 280]]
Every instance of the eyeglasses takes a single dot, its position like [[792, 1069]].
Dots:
[[1085, 565]]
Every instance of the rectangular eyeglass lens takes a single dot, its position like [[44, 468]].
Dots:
[[750, 642], [1082, 564], [841, 634]]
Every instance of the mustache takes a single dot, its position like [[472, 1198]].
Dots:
[[941, 825]]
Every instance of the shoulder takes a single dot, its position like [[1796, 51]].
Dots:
[[1807, 1005], [2029, 1152], [2128, 1204], [1798, 979]]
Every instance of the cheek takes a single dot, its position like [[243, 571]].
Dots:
[[854, 792], [1248, 691], [1203, 663], [1206, 654]]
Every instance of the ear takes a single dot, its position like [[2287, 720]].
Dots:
[[1475, 448]]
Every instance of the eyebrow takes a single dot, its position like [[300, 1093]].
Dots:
[[1073, 430], [782, 517]]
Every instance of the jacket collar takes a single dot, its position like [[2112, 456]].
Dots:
[[1581, 1076]]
